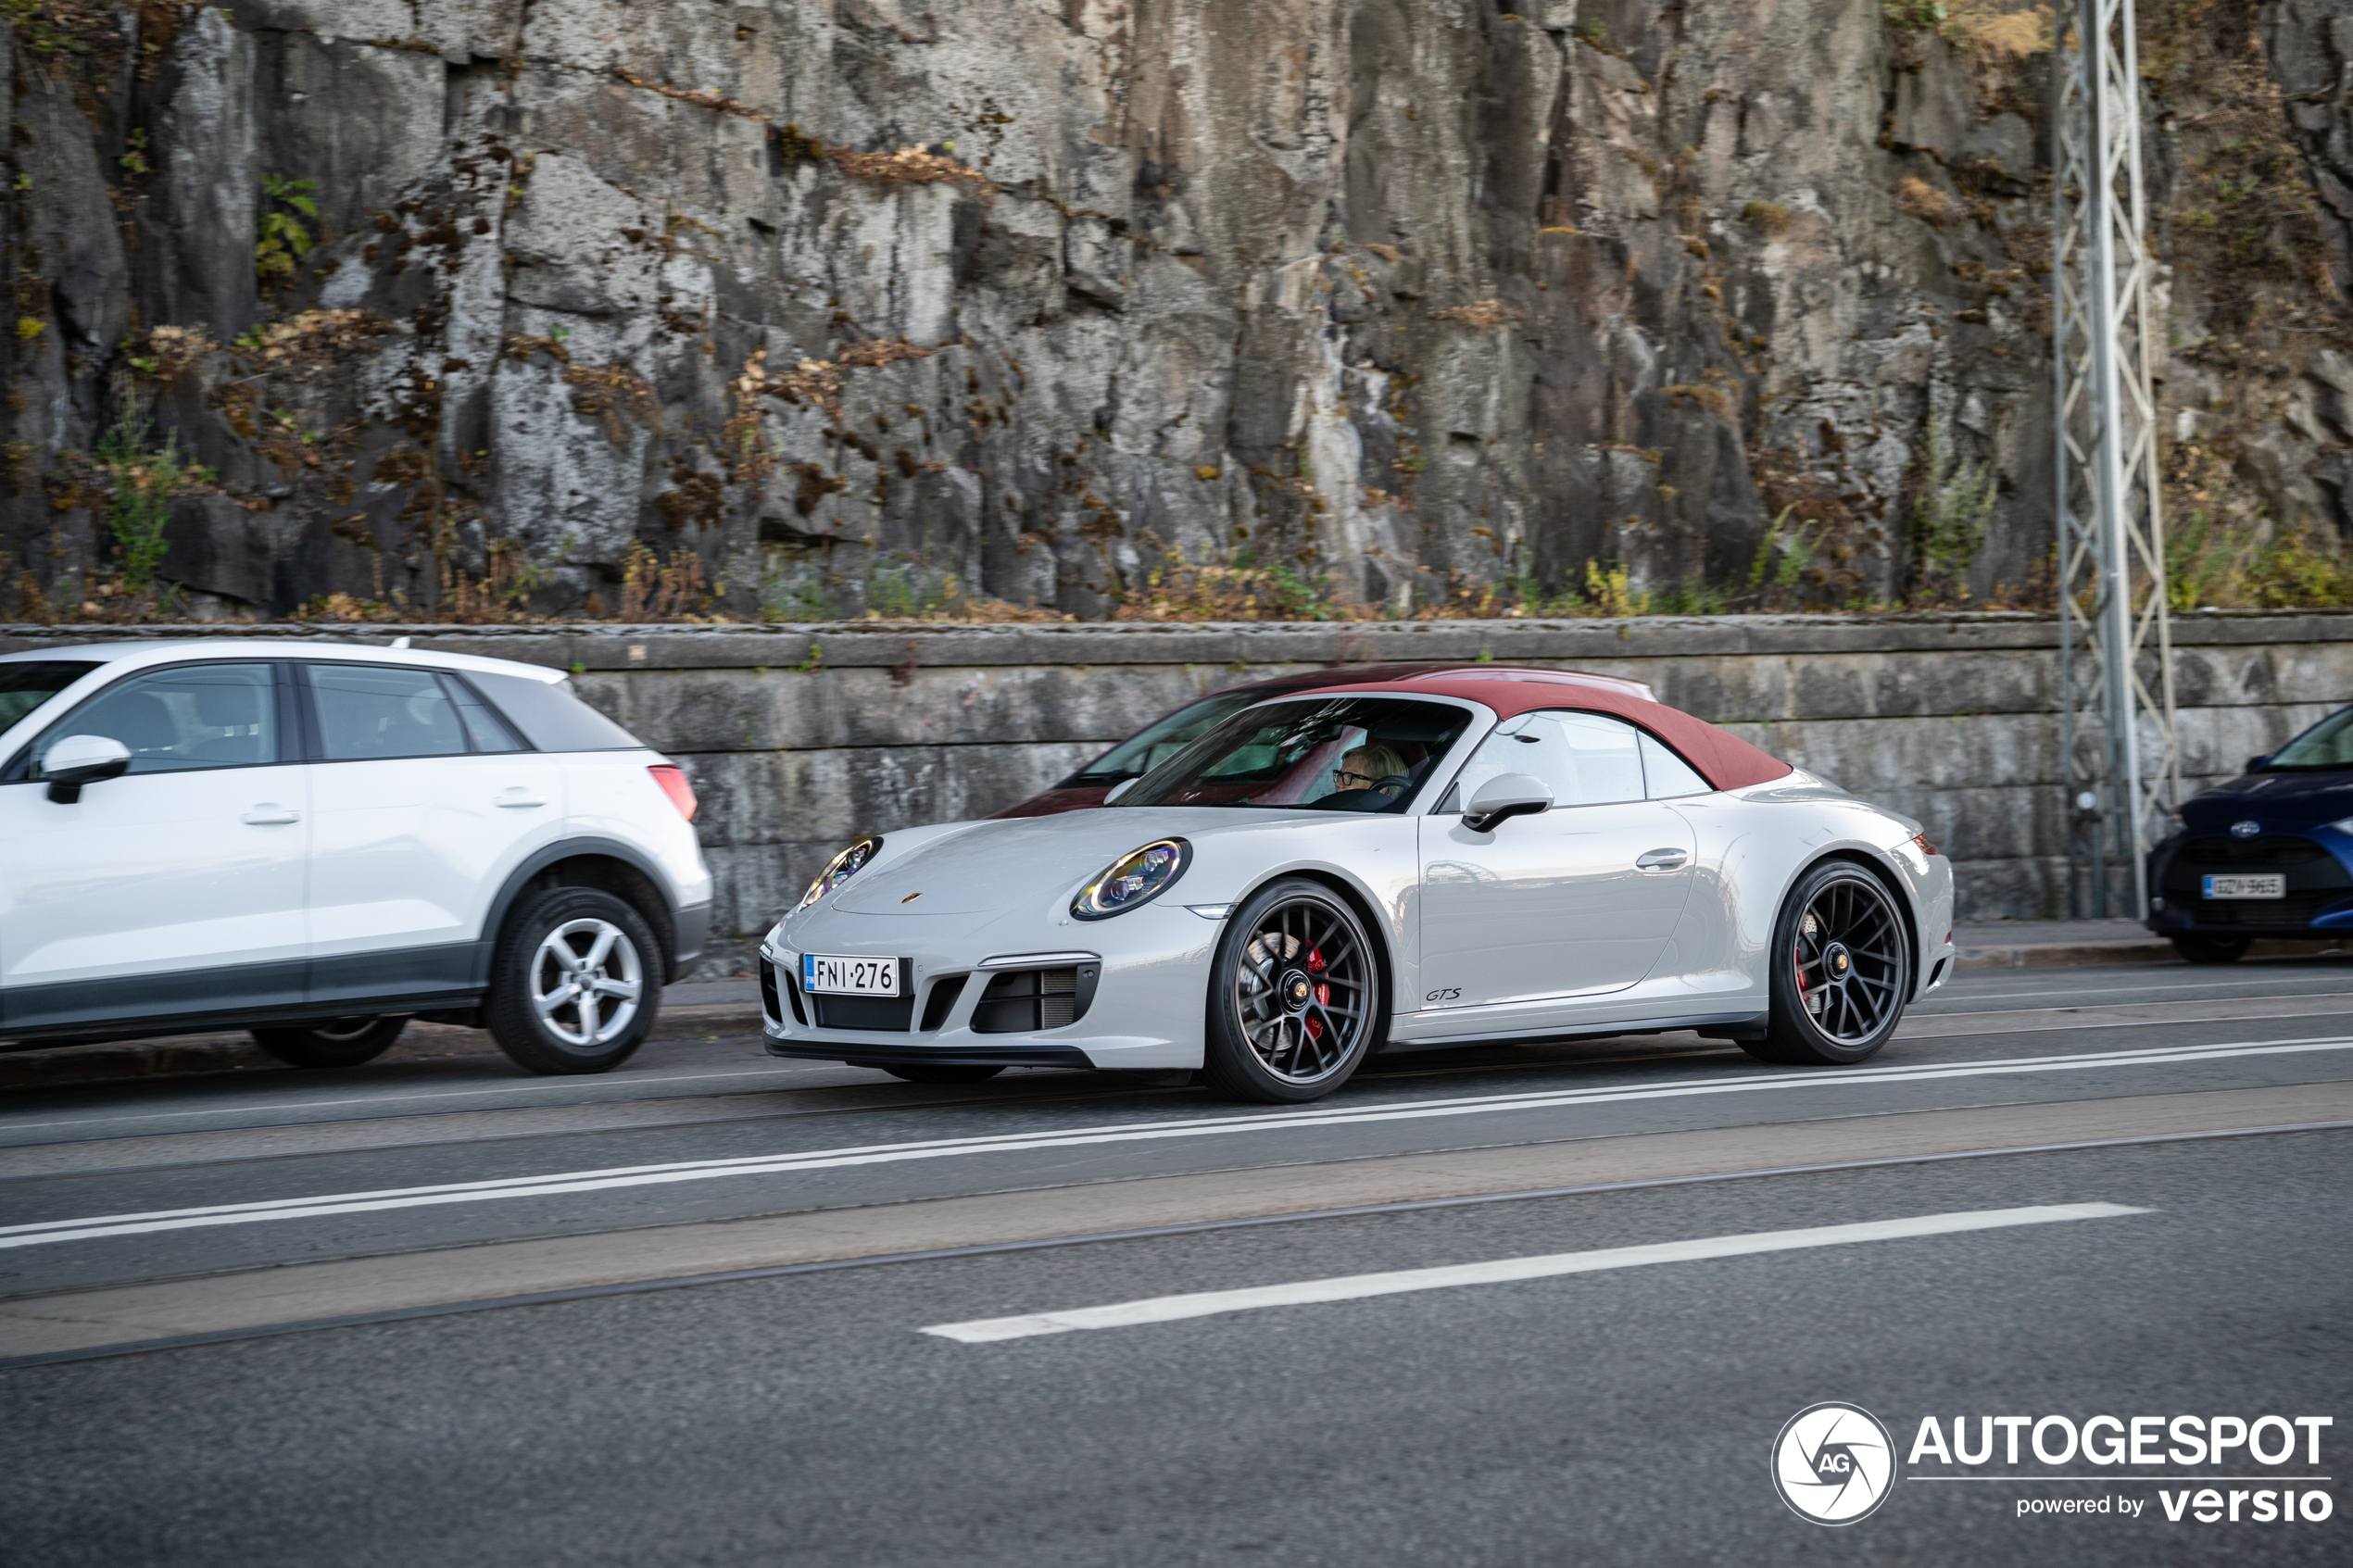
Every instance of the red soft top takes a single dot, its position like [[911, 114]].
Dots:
[[1724, 760]]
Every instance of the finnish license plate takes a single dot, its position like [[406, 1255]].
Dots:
[[2247, 885], [850, 977]]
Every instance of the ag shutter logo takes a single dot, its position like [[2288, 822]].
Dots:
[[1833, 1464]]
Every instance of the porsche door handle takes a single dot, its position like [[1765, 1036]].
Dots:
[[520, 798], [1661, 860], [270, 814]]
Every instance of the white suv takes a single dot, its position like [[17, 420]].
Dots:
[[319, 844]]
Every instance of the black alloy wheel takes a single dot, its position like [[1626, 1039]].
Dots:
[[574, 983], [2210, 949], [1841, 970], [1294, 999], [343, 1042]]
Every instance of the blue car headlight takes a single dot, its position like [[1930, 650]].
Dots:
[[840, 869], [1136, 878]]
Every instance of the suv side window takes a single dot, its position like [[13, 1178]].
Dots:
[[183, 717], [368, 712], [483, 727]]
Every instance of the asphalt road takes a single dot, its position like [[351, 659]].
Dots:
[[169, 1249]]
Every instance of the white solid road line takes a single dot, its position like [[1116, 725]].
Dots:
[[569, 1181], [1351, 1287], [2071, 993]]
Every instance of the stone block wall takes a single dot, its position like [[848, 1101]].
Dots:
[[797, 737]]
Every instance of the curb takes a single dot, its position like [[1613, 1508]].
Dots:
[[2155, 949]]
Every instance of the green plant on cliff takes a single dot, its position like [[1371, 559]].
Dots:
[[76, 29], [908, 589], [280, 240], [140, 484], [1949, 520], [1912, 16], [794, 593], [2297, 572], [2208, 562], [1610, 589], [1784, 554]]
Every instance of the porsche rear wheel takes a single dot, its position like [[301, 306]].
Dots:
[[1841, 970], [1294, 1000]]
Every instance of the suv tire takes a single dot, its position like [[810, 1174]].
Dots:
[[573, 984], [343, 1042]]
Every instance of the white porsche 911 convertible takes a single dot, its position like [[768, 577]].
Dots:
[[1467, 857]]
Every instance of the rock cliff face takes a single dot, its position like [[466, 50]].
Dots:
[[809, 307]]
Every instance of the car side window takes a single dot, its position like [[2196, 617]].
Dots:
[[370, 712], [484, 728], [1584, 758], [183, 717], [1669, 775]]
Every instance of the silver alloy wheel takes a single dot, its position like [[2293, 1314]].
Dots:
[[585, 982], [1302, 992], [1849, 958]]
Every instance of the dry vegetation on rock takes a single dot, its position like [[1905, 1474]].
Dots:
[[568, 309]]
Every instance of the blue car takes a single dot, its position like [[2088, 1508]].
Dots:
[[2269, 854]]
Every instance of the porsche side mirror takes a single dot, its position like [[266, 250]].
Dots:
[[82, 760], [2255, 764], [1111, 796], [1508, 794]]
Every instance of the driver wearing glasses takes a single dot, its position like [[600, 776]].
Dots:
[[1374, 767]]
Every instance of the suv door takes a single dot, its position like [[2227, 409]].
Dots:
[[425, 799], [176, 889], [1578, 900]]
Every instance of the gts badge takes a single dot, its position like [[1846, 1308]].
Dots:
[[1451, 993]]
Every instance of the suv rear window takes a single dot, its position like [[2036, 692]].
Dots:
[[26, 685], [551, 715]]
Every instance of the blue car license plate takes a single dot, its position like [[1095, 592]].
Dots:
[[2247, 885]]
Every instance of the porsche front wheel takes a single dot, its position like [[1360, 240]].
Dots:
[[1841, 970], [1295, 997]]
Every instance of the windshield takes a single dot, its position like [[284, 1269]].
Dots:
[[1317, 753], [2328, 743], [25, 687], [1140, 753]]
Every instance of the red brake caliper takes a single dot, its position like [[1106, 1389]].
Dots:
[[1323, 992]]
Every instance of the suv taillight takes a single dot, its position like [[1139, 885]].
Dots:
[[674, 785]]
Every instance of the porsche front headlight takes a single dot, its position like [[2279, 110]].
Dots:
[[840, 869], [1135, 878]]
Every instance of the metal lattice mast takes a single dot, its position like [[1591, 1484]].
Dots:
[[2116, 644]]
